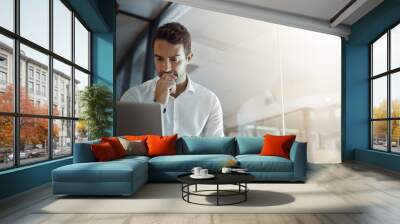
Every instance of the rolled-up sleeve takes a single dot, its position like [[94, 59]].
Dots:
[[215, 125]]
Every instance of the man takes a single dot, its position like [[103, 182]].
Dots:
[[189, 109]]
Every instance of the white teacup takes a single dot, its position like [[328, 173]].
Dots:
[[226, 170], [196, 170], [203, 172]]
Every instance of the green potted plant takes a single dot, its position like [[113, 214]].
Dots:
[[96, 102]]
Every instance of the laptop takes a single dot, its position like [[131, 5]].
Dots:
[[139, 119]]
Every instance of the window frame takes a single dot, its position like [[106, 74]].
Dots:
[[16, 115], [388, 74]]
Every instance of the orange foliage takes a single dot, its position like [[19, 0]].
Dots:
[[33, 130]]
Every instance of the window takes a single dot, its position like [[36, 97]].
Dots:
[[62, 31], [38, 89], [44, 91], [43, 77], [3, 72], [30, 87], [81, 45], [3, 78], [45, 131], [30, 72], [6, 86], [62, 75], [37, 75], [35, 22], [3, 61], [7, 14], [385, 91]]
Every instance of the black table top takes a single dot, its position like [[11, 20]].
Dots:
[[220, 178]]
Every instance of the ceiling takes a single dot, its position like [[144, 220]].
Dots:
[[148, 9], [315, 15], [243, 46]]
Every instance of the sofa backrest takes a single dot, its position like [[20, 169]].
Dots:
[[249, 145], [206, 145], [83, 152]]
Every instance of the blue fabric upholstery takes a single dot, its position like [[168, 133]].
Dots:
[[184, 163], [126, 175], [206, 145], [257, 163], [298, 155], [118, 177], [249, 145], [83, 152]]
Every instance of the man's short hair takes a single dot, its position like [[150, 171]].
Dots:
[[174, 33]]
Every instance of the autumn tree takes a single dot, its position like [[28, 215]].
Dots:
[[33, 131], [380, 127]]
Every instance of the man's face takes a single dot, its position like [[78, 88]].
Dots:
[[171, 58]]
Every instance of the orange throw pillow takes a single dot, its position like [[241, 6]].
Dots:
[[277, 145], [103, 151], [116, 145], [135, 137], [161, 145]]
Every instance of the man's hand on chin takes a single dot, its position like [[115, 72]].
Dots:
[[165, 86]]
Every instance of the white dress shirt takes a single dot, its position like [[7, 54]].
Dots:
[[195, 112]]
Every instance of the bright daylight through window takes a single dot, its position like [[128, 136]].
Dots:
[[44, 64], [385, 87]]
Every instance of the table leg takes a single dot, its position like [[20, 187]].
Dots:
[[217, 194], [196, 188], [245, 193]]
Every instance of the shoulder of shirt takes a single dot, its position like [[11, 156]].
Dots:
[[143, 86], [201, 90]]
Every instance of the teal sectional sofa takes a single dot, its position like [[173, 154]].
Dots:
[[125, 176]]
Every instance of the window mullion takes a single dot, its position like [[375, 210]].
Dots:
[[73, 82], [50, 79], [389, 112], [16, 84]]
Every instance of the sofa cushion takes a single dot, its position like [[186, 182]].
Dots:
[[161, 145], [116, 145], [134, 147], [275, 145], [83, 152], [185, 163], [249, 145], [257, 163], [103, 152], [206, 145], [111, 171]]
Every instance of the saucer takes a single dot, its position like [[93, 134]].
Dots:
[[208, 176]]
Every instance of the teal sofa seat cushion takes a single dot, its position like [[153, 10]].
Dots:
[[206, 145], [112, 171], [185, 163], [257, 163], [249, 145]]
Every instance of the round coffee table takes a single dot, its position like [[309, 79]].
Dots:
[[238, 179]]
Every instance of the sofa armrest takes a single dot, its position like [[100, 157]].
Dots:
[[298, 155], [83, 152]]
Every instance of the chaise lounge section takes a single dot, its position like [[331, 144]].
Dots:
[[125, 176]]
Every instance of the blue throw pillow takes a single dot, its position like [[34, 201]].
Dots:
[[249, 145], [206, 145]]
